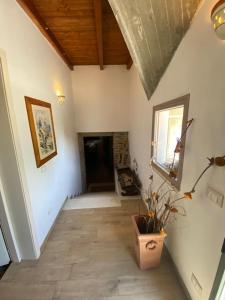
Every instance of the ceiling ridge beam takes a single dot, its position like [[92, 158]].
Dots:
[[99, 32], [32, 12]]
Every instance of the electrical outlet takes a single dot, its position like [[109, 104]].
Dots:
[[215, 196], [220, 201], [196, 284]]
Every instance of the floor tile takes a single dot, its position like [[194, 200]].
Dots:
[[89, 256]]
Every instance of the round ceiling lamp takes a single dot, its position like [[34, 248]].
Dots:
[[218, 19]]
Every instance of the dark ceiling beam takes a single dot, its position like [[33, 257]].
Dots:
[[99, 34], [129, 62], [32, 12]]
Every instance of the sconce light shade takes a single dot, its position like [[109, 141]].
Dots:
[[218, 19], [61, 99]]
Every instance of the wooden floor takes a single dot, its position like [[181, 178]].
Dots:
[[89, 256]]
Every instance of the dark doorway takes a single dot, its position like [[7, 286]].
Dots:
[[99, 163]]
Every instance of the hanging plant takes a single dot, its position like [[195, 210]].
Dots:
[[162, 203]]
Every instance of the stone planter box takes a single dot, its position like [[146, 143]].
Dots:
[[148, 247]]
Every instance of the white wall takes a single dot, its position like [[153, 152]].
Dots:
[[101, 98], [198, 68], [36, 70]]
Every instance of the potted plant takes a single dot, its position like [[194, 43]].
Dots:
[[163, 204]]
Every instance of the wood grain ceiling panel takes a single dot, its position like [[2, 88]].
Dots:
[[113, 41], [73, 25]]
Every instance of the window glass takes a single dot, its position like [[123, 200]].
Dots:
[[168, 128]]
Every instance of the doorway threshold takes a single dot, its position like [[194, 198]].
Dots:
[[93, 200]]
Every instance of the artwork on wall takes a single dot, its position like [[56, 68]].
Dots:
[[42, 130]]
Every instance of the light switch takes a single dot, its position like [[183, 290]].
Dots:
[[215, 196]]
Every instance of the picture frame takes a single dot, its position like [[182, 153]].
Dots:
[[42, 130]]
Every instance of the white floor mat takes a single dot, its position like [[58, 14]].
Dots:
[[93, 200]]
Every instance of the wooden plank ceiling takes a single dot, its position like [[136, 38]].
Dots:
[[153, 29], [83, 32]]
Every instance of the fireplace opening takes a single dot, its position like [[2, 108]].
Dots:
[[98, 152]]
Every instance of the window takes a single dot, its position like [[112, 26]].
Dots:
[[169, 121]]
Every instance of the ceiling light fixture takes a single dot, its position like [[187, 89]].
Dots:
[[218, 19]]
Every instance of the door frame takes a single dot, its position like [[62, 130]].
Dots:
[[219, 276], [6, 247], [7, 228], [6, 222], [81, 136]]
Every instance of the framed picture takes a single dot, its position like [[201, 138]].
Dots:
[[42, 130]]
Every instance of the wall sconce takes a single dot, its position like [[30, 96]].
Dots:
[[218, 19], [61, 99]]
